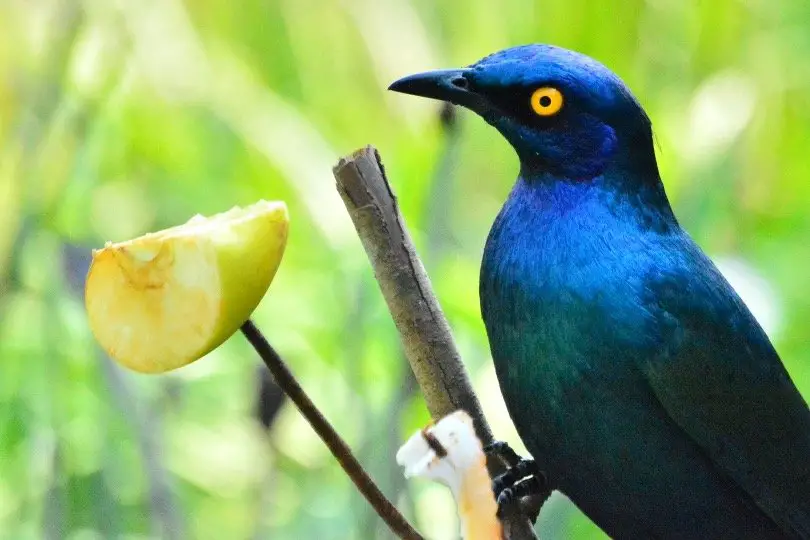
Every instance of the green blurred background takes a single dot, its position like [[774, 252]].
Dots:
[[121, 116]]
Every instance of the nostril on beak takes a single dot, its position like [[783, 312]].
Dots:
[[460, 82]]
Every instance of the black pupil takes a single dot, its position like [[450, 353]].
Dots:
[[545, 101]]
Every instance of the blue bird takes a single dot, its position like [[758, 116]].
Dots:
[[639, 381]]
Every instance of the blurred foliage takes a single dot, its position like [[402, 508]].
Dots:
[[118, 117]]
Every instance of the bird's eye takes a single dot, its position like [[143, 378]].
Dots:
[[547, 101]]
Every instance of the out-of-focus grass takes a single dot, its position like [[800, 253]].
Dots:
[[120, 117]]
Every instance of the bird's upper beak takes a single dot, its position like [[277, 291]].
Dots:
[[451, 85]]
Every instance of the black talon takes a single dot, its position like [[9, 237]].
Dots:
[[502, 450], [502, 482], [531, 485], [495, 447], [522, 469], [520, 480]]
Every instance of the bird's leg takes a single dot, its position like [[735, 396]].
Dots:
[[521, 480]]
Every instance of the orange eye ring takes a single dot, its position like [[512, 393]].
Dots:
[[546, 101]]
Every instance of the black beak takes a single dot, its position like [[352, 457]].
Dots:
[[450, 85]]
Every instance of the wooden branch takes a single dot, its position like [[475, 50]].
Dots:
[[285, 379], [423, 329]]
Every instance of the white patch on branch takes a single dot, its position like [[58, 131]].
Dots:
[[449, 452]]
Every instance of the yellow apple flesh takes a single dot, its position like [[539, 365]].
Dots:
[[165, 299]]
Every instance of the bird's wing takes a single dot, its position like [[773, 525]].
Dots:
[[719, 378]]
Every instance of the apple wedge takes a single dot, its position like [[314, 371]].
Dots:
[[165, 299]]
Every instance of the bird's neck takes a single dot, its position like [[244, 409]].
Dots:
[[630, 188], [627, 153], [551, 229]]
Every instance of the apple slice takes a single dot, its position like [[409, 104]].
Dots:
[[165, 299]]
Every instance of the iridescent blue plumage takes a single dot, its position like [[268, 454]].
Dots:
[[632, 370]]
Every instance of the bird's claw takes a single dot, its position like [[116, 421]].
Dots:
[[503, 451], [531, 485], [523, 469], [521, 480]]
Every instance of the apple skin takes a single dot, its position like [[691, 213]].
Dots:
[[165, 299]]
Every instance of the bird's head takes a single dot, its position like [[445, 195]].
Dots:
[[563, 112]]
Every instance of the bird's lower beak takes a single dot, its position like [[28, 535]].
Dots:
[[450, 85]]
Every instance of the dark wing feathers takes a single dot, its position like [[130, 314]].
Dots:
[[720, 379]]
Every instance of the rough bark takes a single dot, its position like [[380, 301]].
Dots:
[[424, 331]]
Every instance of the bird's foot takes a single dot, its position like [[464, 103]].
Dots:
[[527, 487], [523, 479], [503, 451]]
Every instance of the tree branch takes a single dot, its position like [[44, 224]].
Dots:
[[327, 433], [424, 332]]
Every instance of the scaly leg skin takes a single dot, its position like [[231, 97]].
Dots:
[[521, 480]]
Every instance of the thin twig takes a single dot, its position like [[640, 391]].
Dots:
[[285, 379], [424, 331]]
